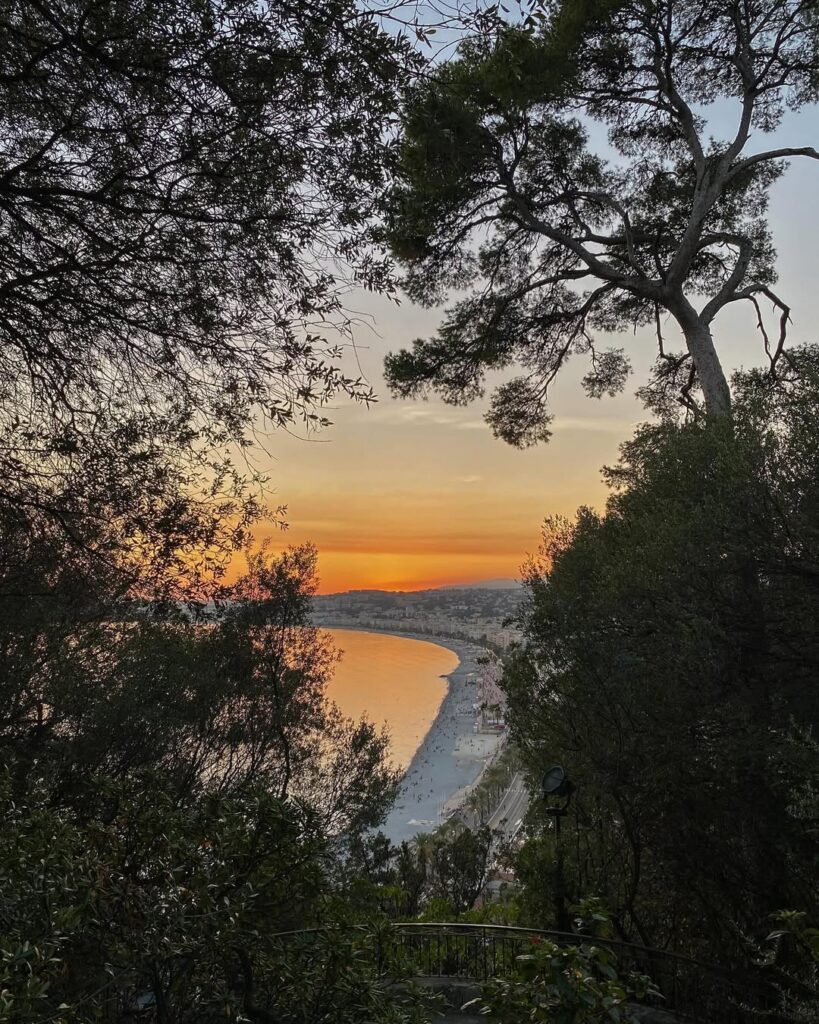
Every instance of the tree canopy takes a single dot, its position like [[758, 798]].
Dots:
[[231, 706], [506, 191], [175, 791], [669, 658], [186, 189]]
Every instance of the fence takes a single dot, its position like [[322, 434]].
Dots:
[[691, 990]]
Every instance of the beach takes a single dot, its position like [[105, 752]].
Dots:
[[451, 755]]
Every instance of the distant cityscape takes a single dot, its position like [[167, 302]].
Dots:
[[478, 613]]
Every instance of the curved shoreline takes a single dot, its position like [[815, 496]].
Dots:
[[451, 755]]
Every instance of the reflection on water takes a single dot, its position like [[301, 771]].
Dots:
[[391, 680]]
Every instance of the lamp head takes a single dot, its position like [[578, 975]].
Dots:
[[555, 782]]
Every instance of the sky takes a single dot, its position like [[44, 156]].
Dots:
[[407, 494]]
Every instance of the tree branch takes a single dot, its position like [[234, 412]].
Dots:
[[638, 285], [771, 154], [734, 279], [750, 294]]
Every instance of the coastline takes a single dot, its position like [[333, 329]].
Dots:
[[451, 755]]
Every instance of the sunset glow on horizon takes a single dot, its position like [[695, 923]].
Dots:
[[404, 571], [402, 502], [417, 541]]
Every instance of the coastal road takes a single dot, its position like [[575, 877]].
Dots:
[[509, 813]]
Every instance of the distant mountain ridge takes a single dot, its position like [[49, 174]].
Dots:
[[494, 584], [501, 583]]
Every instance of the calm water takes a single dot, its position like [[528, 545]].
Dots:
[[392, 680]]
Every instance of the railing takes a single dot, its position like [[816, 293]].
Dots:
[[691, 990]]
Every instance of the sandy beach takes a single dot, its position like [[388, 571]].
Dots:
[[451, 754]]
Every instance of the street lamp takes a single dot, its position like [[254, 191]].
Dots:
[[557, 785]]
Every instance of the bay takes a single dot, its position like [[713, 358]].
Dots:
[[393, 680]]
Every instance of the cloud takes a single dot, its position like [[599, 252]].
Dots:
[[417, 415], [469, 479], [434, 415], [406, 414], [410, 414], [594, 424]]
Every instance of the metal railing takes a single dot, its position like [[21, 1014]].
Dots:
[[691, 990]]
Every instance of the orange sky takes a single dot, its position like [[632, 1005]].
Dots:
[[407, 495], [400, 502]]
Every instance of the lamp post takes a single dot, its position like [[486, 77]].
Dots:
[[557, 785]]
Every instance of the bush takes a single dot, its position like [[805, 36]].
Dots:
[[554, 984]]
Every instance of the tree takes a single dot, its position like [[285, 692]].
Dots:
[[186, 191], [582, 984], [229, 708], [150, 902], [445, 871], [677, 685], [170, 912], [499, 184], [439, 874], [459, 860]]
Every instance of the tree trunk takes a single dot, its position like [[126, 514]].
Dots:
[[709, 370]]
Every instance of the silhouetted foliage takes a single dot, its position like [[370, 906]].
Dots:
[[438, 874], [581, 984], [231, 706], [500, 185], [187, 189], [174, 791], [169, 913], [670, 659]]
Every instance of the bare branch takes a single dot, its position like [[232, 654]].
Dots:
[[734, 280], [771, 154], [750, 294]]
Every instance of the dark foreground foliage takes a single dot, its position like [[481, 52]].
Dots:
[[174, 792], [166, 913], [670, 661]]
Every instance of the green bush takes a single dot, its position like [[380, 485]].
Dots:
[[554, 984]]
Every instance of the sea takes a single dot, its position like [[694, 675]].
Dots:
[[394, 681]]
